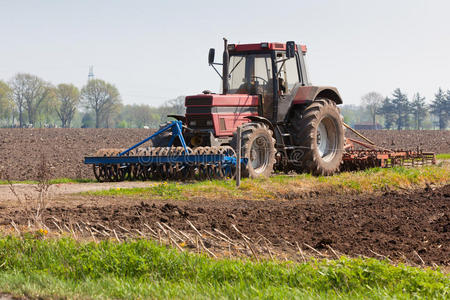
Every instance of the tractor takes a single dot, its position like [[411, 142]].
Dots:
[[287, 123]]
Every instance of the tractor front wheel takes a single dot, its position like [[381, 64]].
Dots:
[[258, 147]]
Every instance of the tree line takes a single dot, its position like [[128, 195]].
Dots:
[[399, 112], [27, 100]]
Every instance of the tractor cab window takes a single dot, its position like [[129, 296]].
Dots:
[[251, 74], [287, 73]]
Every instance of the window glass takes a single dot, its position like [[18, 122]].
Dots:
[[237, 76], [250, 74], [287, 73]]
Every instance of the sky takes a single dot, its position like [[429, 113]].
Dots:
[[157, 50]]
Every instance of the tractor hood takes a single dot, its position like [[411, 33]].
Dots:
[[222, 113], [229, 100]]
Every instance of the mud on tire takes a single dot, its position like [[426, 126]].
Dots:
[[258, 146], [318, 132]]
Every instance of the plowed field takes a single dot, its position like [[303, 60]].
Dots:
[[428, 140], [21, 150]]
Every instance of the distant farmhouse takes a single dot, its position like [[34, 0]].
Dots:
[[367, 126]]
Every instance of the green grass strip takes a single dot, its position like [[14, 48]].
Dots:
[[280, 186], [142, 269], [51, 181], [443, 156]]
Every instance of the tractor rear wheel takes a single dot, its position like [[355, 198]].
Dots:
[[258, 146], [318, 133]]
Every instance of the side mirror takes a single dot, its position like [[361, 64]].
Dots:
[[290, 49], [211, 54]]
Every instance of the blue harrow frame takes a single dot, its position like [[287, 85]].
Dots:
[[225, 160]]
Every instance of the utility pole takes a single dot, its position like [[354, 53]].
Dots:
[[238, 157], [91, 73]]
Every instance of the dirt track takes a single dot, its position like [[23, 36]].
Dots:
[[399, 226], [57, 190], [21, 149]]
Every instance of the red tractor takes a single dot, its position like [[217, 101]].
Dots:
[[287, 123]]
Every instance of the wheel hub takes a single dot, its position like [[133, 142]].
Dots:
[[259, 157], [326, 139]]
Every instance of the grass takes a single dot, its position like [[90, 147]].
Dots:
[[64, 267], [293, 186], [52, 181], [3, 182], [443, 156], [163, 190], [70, 180]]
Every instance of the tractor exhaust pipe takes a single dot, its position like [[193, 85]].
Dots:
[[225, 63]]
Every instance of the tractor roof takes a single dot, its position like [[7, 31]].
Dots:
[[262, 47]]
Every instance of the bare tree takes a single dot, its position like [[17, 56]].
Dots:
[[36, 92], [18, 87], [372, 101], [172, 107], [177, 105], [103, 98], [142, 115], [68, 97], [29, 91], [6, 102]]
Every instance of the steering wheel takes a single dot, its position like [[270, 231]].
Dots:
[[257, 77]]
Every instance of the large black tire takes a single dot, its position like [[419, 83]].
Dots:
[[318, 133], [258, 146]]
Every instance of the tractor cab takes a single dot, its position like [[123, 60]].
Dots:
[[268, 70]]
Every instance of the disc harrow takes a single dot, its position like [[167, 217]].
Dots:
[[165, 163]]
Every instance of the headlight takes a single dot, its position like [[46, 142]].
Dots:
[[192, 123]]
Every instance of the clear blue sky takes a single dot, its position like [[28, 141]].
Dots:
[[157, 50]]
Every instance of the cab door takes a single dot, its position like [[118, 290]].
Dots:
[[287, 80]]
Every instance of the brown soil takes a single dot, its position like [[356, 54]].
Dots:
[[407, 227], [437, 141], [22, 149]]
